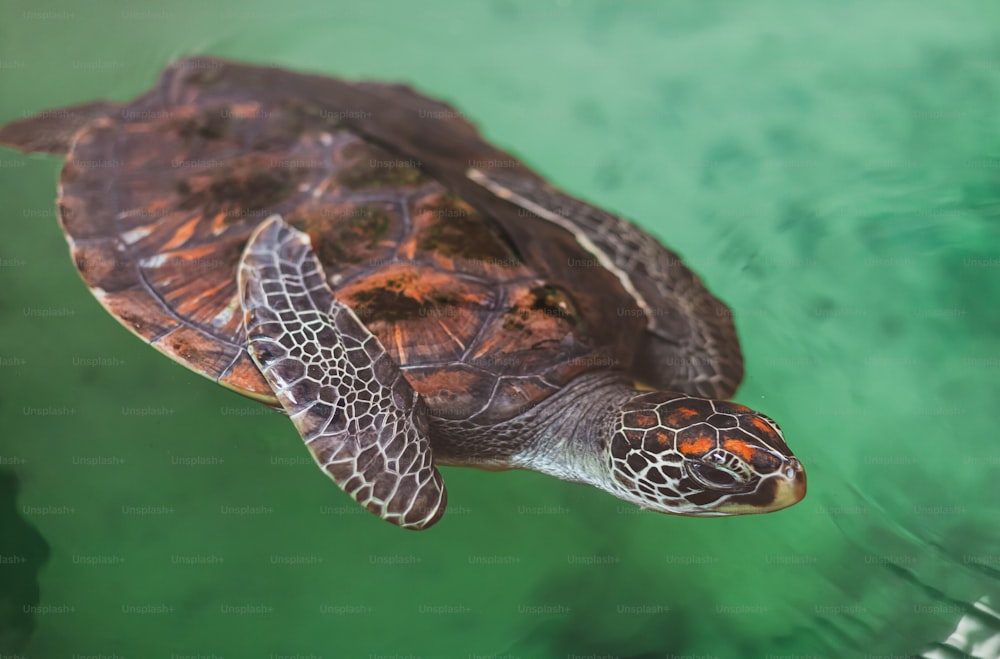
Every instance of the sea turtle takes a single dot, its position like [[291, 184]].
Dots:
[[356, 255]]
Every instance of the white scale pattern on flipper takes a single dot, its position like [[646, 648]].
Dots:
[[358, 415]]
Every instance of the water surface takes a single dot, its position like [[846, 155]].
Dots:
[[834, 175]]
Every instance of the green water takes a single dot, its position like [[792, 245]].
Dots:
[[833, 174]]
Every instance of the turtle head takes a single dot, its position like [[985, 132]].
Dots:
[[684, 455]]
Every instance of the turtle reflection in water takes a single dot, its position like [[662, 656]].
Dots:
[[356, 255]]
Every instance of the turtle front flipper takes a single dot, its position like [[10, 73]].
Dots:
[[360, 418]]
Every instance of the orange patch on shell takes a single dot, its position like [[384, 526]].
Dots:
[[190, 300], [182, 234], [244, 377], [452, 393], [219, 223]]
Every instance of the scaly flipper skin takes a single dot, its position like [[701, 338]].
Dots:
[[355, 411]]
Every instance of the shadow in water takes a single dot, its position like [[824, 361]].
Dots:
[[23, 552]]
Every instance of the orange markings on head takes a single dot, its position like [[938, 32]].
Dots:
[[663, 437], [741, 449], [696, 446], [762, 426], [680, 415]]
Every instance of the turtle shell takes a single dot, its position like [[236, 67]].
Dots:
[[485, 318]]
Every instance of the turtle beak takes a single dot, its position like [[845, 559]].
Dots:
[[785, 488], [791, 485]]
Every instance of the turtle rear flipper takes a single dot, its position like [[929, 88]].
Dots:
[[52, 131], [356, 412]]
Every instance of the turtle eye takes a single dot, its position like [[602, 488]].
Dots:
[[712, 476], [714, 472]]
